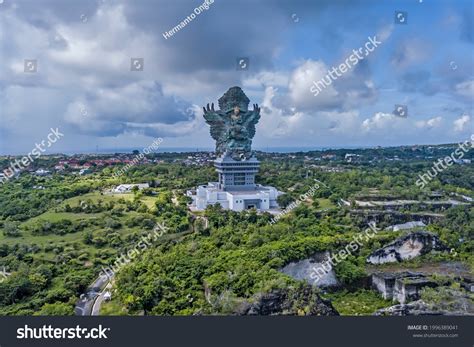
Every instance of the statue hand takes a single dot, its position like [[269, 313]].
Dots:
[[209, 109]]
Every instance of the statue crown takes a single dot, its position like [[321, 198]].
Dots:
[[235, 96]]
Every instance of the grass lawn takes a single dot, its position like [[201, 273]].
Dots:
[[51, 215], [325, 203]]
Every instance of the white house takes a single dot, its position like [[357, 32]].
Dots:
[[262, 198], [127, 188]]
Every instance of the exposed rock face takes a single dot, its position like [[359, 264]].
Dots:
[[443, 300], [407, 247], [303, 301], [405, 226], [420, 308], [303, 270]]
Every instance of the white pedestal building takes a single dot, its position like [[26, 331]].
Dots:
[[236, 189]]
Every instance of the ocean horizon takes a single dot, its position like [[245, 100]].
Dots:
[[199, 149]]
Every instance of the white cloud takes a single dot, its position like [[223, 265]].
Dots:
[[308, 127], [466, 89], [380, 121], [266, 78], [301, 80], [429, 123], [462, 124], [391, 125]]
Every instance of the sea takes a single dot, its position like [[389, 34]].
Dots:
[[211, 149]]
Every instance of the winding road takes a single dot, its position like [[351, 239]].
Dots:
[[90, 301]]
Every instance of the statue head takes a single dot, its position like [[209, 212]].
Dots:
[[234, 97]]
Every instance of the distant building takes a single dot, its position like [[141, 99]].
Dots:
[[85, 171], [127, 188], [350, 157], [42, 172], [329, 156]]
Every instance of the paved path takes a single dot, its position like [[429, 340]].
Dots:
[[99, 300], [84, 306]]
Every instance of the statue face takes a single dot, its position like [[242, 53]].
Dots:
[[236, 110]]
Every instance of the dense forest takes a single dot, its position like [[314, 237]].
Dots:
[[58, 231]]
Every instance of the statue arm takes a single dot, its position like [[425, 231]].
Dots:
[[216, 121], [251, 119]]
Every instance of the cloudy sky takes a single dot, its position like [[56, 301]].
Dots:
[[84, 85]]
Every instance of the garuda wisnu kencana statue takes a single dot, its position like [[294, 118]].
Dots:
[[233, 126]]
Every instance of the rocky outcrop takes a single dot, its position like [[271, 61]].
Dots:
[[302, 301], [306, 269], [407, 247], [419, 308], [393, 217], [444, 301]]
